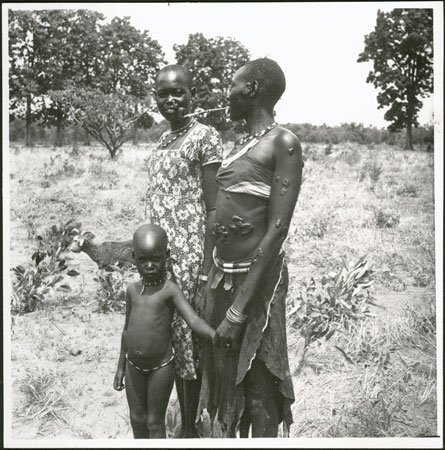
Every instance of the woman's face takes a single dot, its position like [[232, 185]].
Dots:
[[238, 96], [173, 95]]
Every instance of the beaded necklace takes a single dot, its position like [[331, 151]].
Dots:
[[177, 133], [256, 135], [152, 283]]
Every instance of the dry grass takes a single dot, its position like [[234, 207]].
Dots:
[[388, 388]]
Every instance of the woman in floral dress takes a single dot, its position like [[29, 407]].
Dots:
[[181, 199]]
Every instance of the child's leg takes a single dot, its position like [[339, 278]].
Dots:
[[159, 388], [136, 390]]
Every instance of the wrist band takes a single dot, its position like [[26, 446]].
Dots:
[[234, 316], [203, 277]]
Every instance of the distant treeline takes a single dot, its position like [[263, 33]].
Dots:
[[358, 133], [346, 132]]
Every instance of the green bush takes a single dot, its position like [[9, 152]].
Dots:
[[340, 301]]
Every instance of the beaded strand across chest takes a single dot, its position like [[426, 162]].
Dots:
[[163, 143]]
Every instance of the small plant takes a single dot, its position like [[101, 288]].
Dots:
[[111, 293], [43, 399], [407, 190], [351, 157], [421, 278], [309, 153], [340, 301], [33, 283], [58, 167], [385, 219], [318, 227], [371, 170]]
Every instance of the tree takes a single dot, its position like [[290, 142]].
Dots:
[[212, 63], [109, 118], [26, 62], [130, 60], [71, 54], [48, 50], [401, 48]]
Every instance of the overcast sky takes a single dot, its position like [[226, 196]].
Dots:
[[316, 44]]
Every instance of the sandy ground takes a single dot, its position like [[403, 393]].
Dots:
[[69, 350]]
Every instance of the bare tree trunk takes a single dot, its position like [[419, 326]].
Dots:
[[75, 137], [409, 137], [59, 130], [135, 131], [28, 141]]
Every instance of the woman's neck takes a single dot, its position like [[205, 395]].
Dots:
[[178, 124], [258, 120]]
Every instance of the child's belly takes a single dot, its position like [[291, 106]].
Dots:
[[148, 343]]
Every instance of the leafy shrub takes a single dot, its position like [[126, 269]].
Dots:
[[340, 301], [111, 293], [59, 167], [33, 283], [351, 157], [371, 170], [318, 227], [385, 219], [407, 190]]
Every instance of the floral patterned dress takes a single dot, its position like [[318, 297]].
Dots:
[[176, 203]]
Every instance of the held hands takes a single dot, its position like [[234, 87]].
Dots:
[[227, 335], [119, 380]]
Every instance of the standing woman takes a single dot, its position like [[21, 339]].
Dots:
[[181, 198], [246, 378]]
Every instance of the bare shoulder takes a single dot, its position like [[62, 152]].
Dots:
[[171, 287], [286, 142], [133, 287]]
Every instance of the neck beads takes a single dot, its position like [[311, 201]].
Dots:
[[256, 135], [177, 133], [152, 283]]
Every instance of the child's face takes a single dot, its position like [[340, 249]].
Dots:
[[173, 95], [150, 261]]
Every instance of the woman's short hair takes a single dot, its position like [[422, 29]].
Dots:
[[269, 76]]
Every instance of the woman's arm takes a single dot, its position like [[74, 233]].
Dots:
[[287, 158], [210, 189]]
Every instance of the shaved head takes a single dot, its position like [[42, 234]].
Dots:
[[270, 77], [149, 237], [176, 71]]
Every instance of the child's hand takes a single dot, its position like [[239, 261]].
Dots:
[[119, 380]]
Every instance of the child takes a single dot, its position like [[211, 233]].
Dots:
[[181, 199], [146, 354]]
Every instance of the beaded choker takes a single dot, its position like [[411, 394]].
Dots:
[[256, 135], [177, 133], [152, 283]]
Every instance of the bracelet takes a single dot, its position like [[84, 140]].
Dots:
[[234, 316], [203, 277]]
